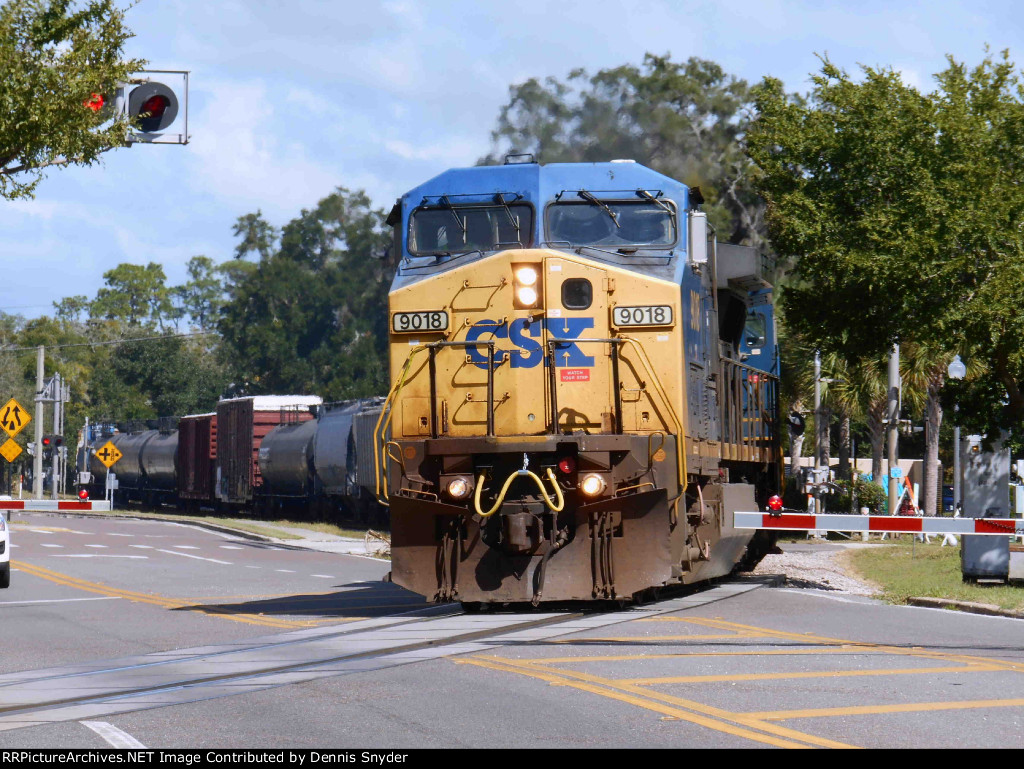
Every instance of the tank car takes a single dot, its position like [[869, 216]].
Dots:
[[343, 461], [578, 406], [147, 470]]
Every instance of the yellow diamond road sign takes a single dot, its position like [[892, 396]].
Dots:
[[109, 454], [10, 450], [13, 418]]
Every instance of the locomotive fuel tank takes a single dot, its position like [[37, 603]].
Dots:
[[285, 458]]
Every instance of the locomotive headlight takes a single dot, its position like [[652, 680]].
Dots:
[[526, 296], [592, 485], [458, 488], [526, 276], [526, 284]]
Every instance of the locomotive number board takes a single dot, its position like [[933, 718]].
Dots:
[[418, 322], [643, 315]]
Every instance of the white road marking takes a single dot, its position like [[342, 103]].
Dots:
[[101, 555], [197, 557], [142, 547], [50, 544], [285, 571], [230, 547], [102, 546], [112, 534], [186, 547], [253, 567], [112, 735], [322, 576], [40, 531], [61, 600]]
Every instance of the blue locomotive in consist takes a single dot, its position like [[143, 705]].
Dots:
[[584, 387]]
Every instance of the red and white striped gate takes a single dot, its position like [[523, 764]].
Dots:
[[893, 524], [49, 505]]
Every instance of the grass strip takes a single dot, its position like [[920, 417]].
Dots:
[[904, 569]]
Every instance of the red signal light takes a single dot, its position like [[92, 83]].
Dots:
[[567, 465], [155, 106], [46, 440], [95, 102], [83, 494], [775, 503]]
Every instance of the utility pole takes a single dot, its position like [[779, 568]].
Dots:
[[818, 454], [893, 422], [37, 460]]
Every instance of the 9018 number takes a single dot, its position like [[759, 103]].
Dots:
[[646, 315], [413, 322]]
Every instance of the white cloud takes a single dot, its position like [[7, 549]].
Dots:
[[245, 154]]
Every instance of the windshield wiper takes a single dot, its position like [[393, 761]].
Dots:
[[448, 204], [513, 220], [651, 199], [602, 205]]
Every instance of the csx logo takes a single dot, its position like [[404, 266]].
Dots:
[[523, 333]]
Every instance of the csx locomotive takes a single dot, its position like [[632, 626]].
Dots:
[[584, 387]]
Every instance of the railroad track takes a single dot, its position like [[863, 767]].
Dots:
[[91, 690]]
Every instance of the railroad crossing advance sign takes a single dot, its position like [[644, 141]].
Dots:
[[10, 450], [109, 454], [13, 418]]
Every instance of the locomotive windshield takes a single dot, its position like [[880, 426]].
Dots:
[[454, 229], [611, 223]]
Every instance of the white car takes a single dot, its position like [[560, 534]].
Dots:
[[4, 548], [5, 551]]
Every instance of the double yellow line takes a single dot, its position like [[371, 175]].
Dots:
[[736, 724], [156, 600]]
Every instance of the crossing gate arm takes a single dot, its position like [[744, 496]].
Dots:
[[898, 524], [45, 505]]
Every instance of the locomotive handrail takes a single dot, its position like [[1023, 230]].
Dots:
[[387, 409], [760, 389], [656, 380]]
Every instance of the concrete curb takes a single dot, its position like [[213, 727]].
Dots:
[[970, 607]]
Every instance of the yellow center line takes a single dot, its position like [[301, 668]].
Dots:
[[738, 724], [870, 710], [683, 655], [643, 702], [645, 638], [156, 600], [804, 674], [866, 645]]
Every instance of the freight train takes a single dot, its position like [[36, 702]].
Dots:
[[584, 387], [263, 455]]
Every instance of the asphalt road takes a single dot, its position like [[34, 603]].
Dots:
[[766, 667]]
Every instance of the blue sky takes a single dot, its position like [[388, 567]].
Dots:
[[290, 100]]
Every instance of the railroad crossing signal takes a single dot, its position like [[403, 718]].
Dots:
[[13, 418], [10, 450], [109, 454]]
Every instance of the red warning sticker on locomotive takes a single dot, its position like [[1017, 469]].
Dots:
[[575, 374]]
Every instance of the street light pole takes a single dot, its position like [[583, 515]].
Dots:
[[956, 370], [893, 422]]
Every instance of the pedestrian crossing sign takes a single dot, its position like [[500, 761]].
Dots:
[[108, 454], [13, 418]]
